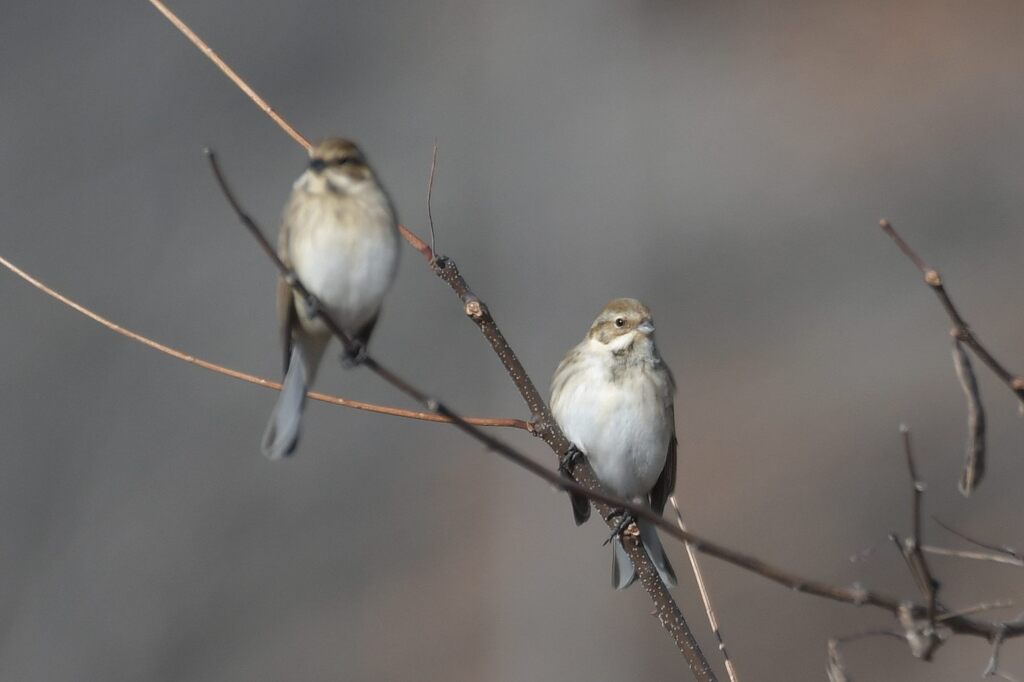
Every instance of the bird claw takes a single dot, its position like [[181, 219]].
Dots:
[[567, 462], [354, 355], [623, 527], [311, 305]]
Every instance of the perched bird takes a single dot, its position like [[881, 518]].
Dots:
[[612, 397], [339, 234]]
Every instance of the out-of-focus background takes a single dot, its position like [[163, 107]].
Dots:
[[727, 164]]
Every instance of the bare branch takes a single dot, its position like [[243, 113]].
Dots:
[[915, 557], [960, 327], [977, 608], [993, 662], [230, 73], [978, 556], [430, 196], [1002, 549], [705, 598], [250, 378], [974, 460]]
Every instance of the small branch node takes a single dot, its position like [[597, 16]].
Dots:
[[474, 308], [918, 632], [932, 278]]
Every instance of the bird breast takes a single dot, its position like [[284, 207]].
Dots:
[[620, 416], [345, 251]]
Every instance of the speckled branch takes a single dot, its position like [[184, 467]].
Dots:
[[543, 425]]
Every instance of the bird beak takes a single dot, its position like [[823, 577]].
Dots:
[[317, 165], [645, 327]]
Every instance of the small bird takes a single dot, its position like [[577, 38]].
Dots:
[[612, 396], [339, 234]]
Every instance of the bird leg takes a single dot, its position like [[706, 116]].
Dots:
[[626, 521], [354, 354], [567, 462]]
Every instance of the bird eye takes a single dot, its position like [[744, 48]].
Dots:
[[343, 161], [619, 322]]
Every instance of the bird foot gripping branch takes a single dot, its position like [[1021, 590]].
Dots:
[[354, 354], [625, 528]]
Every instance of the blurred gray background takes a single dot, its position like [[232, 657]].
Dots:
[[725, 163]]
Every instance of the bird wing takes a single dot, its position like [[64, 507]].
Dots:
[[666, 484], [287, 318]]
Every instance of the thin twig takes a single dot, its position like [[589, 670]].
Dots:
[[978, 556], [230, 73], [977, 608], [430, 196], [249, 378], [974, 458], [836, 669], [929, 586], [960, 327], [993, 662], [1001, 549], [705, 598]]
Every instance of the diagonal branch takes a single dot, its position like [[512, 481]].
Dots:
[[960, 327], [243, 376], [1002, 549], [911, 548], [705, 598], [230, 73], [974, 463]]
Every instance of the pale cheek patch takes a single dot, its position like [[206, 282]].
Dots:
[[622, 342]]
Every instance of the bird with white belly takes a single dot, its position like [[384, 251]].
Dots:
[[612, 396], [339, 234]]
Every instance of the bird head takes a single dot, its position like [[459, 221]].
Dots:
[[339, 165], [623, 323]]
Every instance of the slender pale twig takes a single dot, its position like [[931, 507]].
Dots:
[[705, 598], [230, 73], [974, 460], [242, 376], [977, 608], [430, 196], [912, 546], [1001, 549], [966, 336], [978, 556]]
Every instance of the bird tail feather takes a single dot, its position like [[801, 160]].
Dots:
[[282, 433], [623, 572], [652, 543]]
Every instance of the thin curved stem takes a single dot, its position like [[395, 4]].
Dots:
[[251, 378]]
